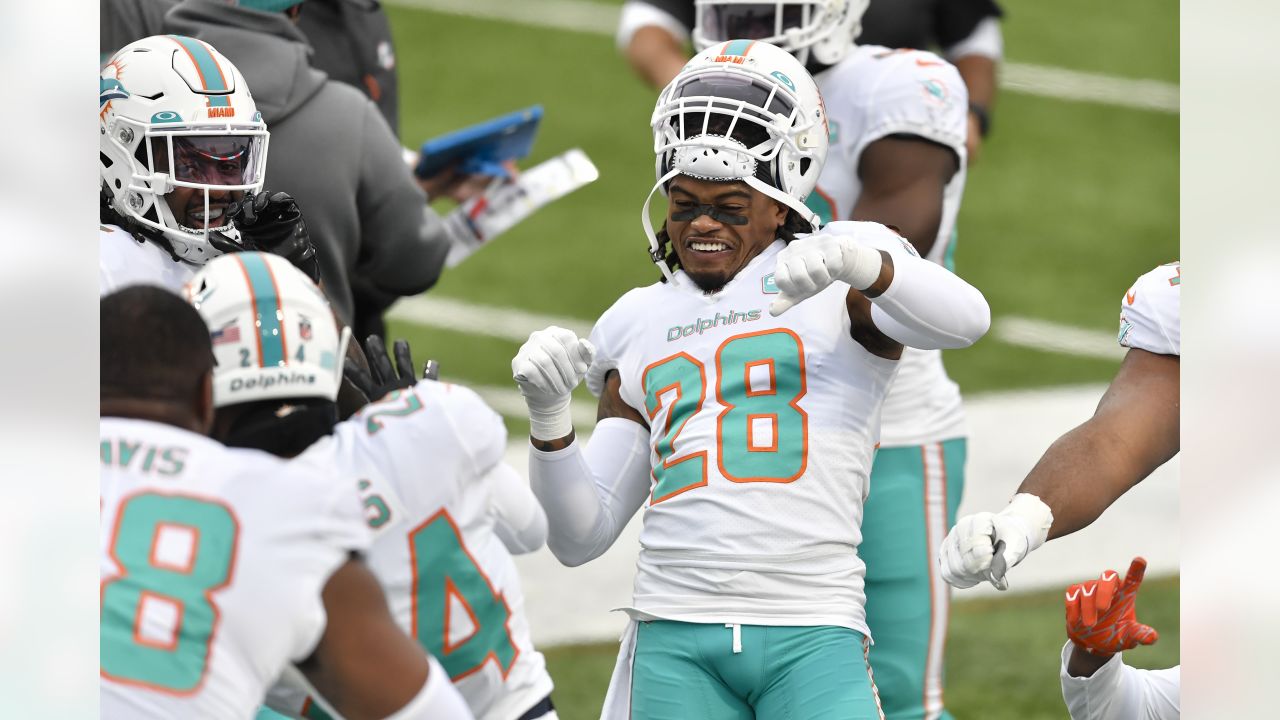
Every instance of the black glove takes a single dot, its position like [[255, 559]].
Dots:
[[271, 222], [382, 376]]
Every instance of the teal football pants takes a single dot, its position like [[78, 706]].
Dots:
[[915, 492], [691, 671]]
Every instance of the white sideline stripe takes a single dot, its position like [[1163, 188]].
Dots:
[[1089, 87], [597, 19], [1056, 337], [515, 325], [498, 322]]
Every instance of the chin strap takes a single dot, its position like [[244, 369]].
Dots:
[[809, 216], [655, 249]]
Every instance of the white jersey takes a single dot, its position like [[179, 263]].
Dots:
[[875, 92], [762, 433], [212, 561], [1150, 312], [123, 261], [1116, 691], [425, 459]]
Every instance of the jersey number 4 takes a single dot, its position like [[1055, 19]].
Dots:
[[446, 579], [158, 616], [762, 435]]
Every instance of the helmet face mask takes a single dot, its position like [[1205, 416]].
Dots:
[[745, 111], [180, 138], [821, 30]]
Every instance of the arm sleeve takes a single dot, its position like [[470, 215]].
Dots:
[[1119, 692], [589, 497], [403, 242], [926, 305], [519, 521], [674, 16]]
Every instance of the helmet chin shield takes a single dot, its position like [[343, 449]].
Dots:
[[743, 111], [821, 30]]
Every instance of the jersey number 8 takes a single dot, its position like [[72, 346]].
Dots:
[[158, 615]]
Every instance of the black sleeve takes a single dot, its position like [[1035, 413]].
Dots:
[[956, 19], [681, 10]]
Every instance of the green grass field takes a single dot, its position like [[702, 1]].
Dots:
[[1069, 203]]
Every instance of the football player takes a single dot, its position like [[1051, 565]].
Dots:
[[183, 152], [740, 401], [446, 512], [898, 125], [220, 567], [1133, 432]]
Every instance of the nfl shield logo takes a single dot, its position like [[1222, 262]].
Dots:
[[304, 327]]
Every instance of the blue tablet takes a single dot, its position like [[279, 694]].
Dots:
[[482, 148]]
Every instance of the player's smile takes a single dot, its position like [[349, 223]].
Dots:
[[716, 228]]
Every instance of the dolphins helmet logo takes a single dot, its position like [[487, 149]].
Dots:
[[110, 90]]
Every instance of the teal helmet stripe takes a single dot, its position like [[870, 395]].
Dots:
[[209, 69], [737, 47], [267, 308]]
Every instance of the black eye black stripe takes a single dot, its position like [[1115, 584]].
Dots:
[[710, 211]]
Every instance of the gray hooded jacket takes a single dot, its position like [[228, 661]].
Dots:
[[332, 150]]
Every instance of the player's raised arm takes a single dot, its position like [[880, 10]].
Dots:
[[588, 496], [1133, 432], [914, 302]]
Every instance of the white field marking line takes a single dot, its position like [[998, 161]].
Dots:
[[515, 325], [597, 19], [498, 322], [1056, 337]]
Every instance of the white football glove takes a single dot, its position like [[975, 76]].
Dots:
[[547, 369], [809, 264], [968, 554]]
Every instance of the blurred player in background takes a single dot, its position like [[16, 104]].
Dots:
[[182, 155], [751, 436], [653, 34], [1133, 432], [1101, 624], [221, 566], [897, 157], [446, 511]]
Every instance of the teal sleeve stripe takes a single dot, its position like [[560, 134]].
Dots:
[[266, 300], [210, 70]]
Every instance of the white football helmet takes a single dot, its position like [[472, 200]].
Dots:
[[274, 336], [174, 113], [824, 28], [727, 96]]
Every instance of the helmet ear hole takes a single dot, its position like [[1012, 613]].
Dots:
[[804, 165]]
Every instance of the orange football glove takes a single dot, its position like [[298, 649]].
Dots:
[[1100, 613]]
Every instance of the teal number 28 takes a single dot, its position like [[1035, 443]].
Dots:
[[751, 409]]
